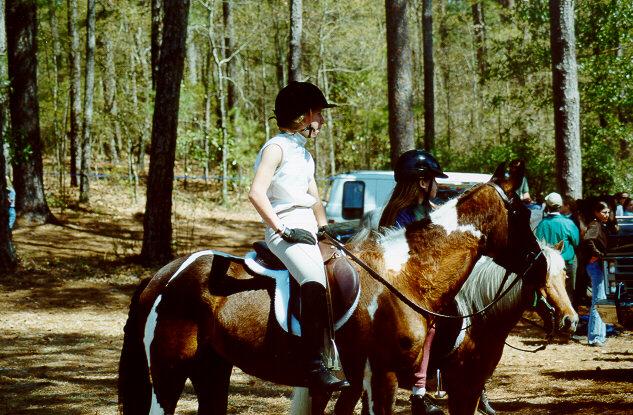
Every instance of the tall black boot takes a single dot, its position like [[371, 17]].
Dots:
[[314, 329], [484, 404]]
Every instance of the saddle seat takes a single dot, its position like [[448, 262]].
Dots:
[[343, 282]]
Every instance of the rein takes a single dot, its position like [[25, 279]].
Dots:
[[417, 308]]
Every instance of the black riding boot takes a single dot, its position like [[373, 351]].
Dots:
[[423, 405], [314, 329], [484, 404]]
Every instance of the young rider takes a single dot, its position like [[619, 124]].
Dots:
[[285, 195], [415, 174]]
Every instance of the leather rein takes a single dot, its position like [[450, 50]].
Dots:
[[426, 312]]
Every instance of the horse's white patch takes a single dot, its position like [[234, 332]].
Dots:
[[195, 256], [372, 307], [367, 387], [446, 217], [555, 261], [148, 337], [395, 249]]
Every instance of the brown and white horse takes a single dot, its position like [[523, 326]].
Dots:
[[475, 351], [201, 315]]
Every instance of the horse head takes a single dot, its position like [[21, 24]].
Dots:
[[505, 221], [553, 303]]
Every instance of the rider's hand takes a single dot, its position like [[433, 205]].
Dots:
[[323, 230], [298, 236]]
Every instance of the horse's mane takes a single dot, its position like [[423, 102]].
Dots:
[[484, 280]]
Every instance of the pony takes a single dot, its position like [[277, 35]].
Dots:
[[200, 315], [468, 350]]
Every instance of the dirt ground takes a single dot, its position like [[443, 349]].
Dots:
[[62, 317]]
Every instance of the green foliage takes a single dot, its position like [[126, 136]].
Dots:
[[478, 124]]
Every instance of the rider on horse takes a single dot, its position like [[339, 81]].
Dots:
[[285, 194], [415, 174]]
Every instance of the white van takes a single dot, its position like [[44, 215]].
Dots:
[[351, 195]]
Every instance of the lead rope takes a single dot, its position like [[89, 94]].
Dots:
[[415, 307]]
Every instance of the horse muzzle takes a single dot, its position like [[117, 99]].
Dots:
[[568, 324]]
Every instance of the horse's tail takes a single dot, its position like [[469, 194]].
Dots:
[[301, 404], [134, 383]]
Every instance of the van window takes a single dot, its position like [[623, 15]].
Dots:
[[353, 199]]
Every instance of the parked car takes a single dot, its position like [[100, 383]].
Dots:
[[361, 195]]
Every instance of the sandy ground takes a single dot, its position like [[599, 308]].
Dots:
[[62, 317]]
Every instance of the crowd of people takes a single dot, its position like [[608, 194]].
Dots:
[[584, 233]]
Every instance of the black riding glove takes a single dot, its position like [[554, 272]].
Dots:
[[298, 236], [323, 230]]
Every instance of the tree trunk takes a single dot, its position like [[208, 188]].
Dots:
[[479, 28], [399, 85], [208, 97], [156, 35], [8, 258], [56, 85], [192, 59], [280, 56], [229, 49], [294, 44], [89, 87], [21, 20], [566, 98], [429, 74], [445, 70], [157, 235], [75, 86], [110, 100]]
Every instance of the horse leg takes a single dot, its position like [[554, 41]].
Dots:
[[381, 390], [168, 381], [319, 401], [348, 398], [211, 377]]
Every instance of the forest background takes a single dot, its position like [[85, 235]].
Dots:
[[492, 95]]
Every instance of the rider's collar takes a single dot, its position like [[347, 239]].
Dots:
[[296, 137]]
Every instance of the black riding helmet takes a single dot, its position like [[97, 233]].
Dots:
[[415, 164], [296, 99]]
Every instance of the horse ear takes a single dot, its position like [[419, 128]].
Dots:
[[559, 246], [500, 173], [511, 176]]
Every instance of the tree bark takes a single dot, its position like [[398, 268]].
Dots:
[[479, 29], [89, 86], [294, 44], [157, 227], [75, 86], [229, 49], [429, 74], [156, 35], [566, 98], [21, 21], [110, 100], [399, 85], [8, 258]]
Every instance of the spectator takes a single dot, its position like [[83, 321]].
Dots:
[[594, 248], [620, 200], [11, 203], [555, 228], [628, 207]]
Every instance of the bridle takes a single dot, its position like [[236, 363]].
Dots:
[[531, 259]]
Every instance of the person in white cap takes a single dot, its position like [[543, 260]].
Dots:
[[556, 227]]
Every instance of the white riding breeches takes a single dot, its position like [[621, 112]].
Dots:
[[302, 260]]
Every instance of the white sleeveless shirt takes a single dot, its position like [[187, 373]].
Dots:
[[289, 185]]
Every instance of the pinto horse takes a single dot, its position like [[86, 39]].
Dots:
[[203, 314], [468, 350]]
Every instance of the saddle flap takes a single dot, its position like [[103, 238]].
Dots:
[[344, 285], [266, 257]]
